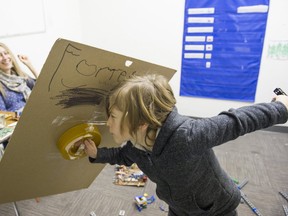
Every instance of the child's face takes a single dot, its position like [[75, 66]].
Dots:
[[114, 123]]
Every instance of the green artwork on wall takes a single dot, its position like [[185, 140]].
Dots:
[[278, 50]]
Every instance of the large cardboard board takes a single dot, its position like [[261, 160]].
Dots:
[[70, 90]]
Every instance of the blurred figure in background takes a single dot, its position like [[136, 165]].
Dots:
[[15, 84]]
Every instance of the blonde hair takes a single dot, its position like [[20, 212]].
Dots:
[[143, 99], [16, 67]]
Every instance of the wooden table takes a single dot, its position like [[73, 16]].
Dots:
[[10, 123]]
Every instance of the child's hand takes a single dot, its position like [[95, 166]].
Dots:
[[283, 99], [90, 147]]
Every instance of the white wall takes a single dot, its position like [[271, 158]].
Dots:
[[62, 20], [150, 30], [273, 72]]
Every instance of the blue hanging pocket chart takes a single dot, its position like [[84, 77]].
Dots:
[[222, 48]]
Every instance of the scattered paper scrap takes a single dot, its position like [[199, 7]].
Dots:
[[129, 175]]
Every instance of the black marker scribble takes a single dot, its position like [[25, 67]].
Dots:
[[76, 89], [80, 96], [67, 86], [69, 49], [86, 69], [112, 71]]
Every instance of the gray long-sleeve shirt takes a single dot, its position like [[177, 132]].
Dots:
[[182, 163]]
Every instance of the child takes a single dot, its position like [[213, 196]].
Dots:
[[175, 151]]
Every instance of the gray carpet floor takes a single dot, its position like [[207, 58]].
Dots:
[[260, 157]]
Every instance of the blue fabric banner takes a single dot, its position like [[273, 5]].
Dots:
[[222, 48]]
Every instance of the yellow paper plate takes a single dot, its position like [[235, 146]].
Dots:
[[82, 131]]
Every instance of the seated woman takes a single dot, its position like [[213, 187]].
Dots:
[[15, 84]]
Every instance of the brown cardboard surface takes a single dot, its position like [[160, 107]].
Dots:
[[70, 90]]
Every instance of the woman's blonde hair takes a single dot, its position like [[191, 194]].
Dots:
[[143, 99], [16, 67]]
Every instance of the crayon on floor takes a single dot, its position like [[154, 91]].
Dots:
[[285, 195], [250, 204], [285, 208]]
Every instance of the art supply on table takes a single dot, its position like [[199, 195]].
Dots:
[[7, 125], [1, 151], [5, 133], [250, 204], [2, 121]]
